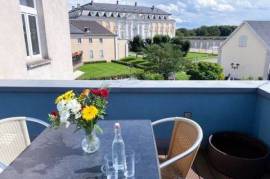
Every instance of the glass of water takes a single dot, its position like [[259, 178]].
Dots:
[[130, 164], [108, 169]]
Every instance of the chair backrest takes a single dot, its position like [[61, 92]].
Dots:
[[14, 137], [183, 138]]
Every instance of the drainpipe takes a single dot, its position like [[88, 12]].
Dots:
[[115, 48]]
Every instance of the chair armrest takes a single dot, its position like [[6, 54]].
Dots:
[[37, 121], [2, 167]]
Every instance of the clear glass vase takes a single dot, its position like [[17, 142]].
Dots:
[[90, 142]]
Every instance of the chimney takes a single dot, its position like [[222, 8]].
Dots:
[[153, 7], [78, 5], [92, 2], [73, 7], [136, 4], [117, 2]]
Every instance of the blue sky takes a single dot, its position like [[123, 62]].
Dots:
[[195, 13]]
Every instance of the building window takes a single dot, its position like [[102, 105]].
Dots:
[[101, 40], [91, 54], [243, 41], [30, 27], [79, 40], [101, 54], [90, 40], [27, 3]]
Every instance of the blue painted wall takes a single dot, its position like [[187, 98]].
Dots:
[[213, 111], [262, 118]]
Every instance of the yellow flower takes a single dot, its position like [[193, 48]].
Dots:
[[89, 113], [67, 97]]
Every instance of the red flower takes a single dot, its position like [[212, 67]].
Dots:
[[54, 113], [100, 92], [104, 93]]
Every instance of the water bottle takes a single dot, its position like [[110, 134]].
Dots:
[[118, 149]]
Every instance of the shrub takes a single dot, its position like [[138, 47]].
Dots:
[[150, 76], [205, 71], [114, 77]]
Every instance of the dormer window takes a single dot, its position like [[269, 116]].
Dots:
[[86, 29]]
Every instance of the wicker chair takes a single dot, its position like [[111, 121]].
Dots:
[[14, 138], [185, 142]]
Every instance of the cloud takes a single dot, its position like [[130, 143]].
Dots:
[[171, 8], [215, 5]]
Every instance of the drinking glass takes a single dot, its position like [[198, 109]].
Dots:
[[108, 168], [130, 164]]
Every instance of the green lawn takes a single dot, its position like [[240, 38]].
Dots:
[[202, 57], [105, 70], [114, 70], [190, 56]]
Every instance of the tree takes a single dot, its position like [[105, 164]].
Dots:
[[205, 71], [213, 31], [159, 39], [164, 59], [202, 31], [184, 45], [137, 44], [148, 41], [223, 30]]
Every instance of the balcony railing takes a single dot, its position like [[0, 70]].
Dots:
[[216, 105]]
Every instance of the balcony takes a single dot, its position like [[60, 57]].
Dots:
[[241, 106]]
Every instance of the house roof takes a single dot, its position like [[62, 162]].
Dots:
[[262, 29], [92, 6], [94, 28]]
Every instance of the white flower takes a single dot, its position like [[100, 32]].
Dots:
[[78, 115], [61, 106], [64, 115], [74, 106], [67, 124]]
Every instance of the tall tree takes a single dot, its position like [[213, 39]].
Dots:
[[137, 44], [164, 59]]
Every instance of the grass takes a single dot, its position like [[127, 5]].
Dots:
[[182, 76], [194, 56], [190, 56], [105, 70], [114, 70]]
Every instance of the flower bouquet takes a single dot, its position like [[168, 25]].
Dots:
[[84, 111]]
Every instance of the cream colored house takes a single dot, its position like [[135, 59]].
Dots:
[[34, 40], [246, 53], [96, 42], [127, 21]]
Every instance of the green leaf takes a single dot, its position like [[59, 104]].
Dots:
[[98, 129]]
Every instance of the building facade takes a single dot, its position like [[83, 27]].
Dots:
[[127, 21], [34, 40], [246, 53], [96, 42], [205, 44]]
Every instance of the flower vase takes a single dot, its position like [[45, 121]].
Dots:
[[90, 142]]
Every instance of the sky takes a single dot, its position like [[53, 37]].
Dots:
[[195, 13]]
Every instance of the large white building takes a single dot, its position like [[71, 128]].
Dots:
[[246, 52], [127, 21], [35, 40]]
